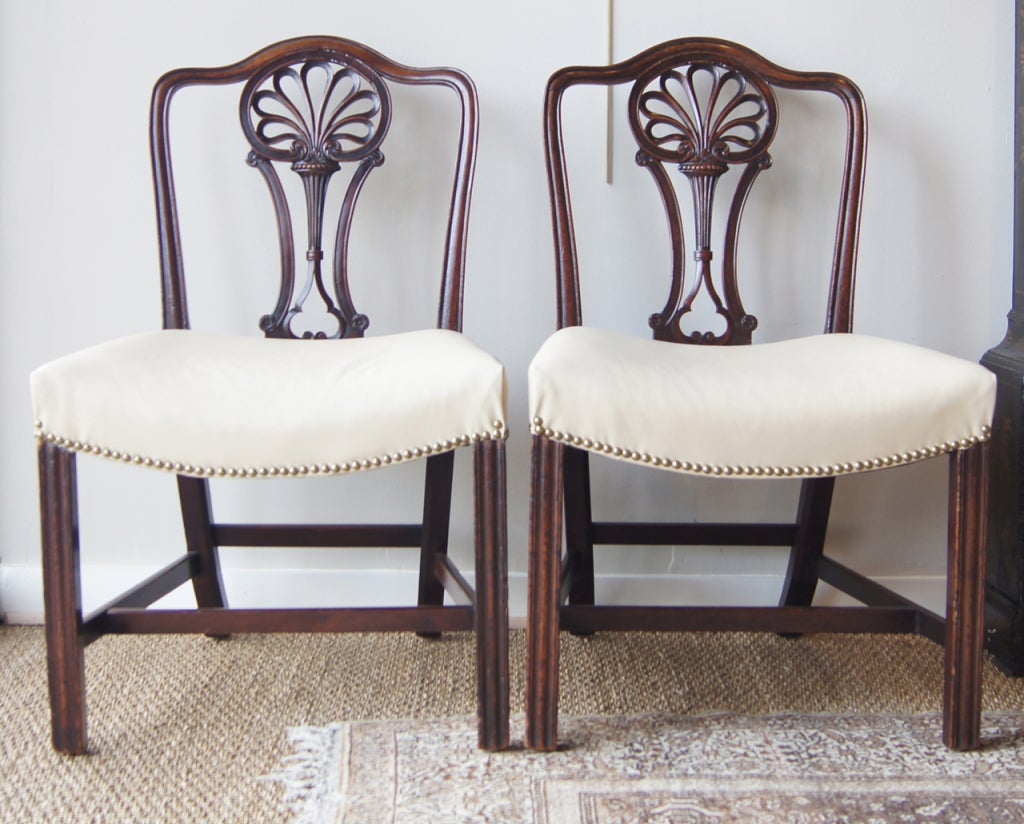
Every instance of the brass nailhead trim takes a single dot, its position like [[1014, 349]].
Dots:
[[498, 431], [538, 427]]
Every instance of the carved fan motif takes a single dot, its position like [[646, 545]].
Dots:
[[320, 112], [704, 118], [735, 122], [316, 115]]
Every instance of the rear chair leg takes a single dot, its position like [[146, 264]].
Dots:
[[196, 515], [809, 544], [490, 613], [579, 544], [62, 597], [545, 569], [437, 507], [965, 597]]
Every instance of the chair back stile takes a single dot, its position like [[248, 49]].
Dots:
[[314, 105], [705, 129]]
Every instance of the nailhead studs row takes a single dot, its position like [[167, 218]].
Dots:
[[497, 432], [538, 428]]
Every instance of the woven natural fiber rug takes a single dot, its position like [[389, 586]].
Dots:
[[659, 768]]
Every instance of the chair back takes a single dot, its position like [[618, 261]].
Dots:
[[309, 106], [709, 108]]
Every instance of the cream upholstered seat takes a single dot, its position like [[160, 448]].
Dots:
[[704, 115], [205, 405], [806, 407], [316, 394]]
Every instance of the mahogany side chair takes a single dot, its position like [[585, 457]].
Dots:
[[294, 402], [715, 405]]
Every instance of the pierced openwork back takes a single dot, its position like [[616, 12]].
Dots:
[[307, 107], [703, 109], [315, 114]]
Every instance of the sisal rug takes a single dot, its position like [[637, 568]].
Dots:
[[181, 727], [651, 768]]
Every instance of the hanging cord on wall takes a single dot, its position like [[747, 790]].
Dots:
[[609, 135]]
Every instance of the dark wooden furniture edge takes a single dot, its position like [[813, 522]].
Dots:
[[1004, 580]]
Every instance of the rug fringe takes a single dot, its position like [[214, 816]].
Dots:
[[310, 774]]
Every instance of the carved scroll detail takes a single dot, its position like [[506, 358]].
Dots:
[[315, 115], [704, 118]]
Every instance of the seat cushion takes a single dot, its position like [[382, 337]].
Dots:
[[201, 404], [822, 405]]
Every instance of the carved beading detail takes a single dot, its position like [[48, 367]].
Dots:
[[704, 118], [315, 115]]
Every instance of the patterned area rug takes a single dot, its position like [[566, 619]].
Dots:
[[656, 768]]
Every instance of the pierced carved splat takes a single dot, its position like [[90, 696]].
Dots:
[[704, 118], [315, 115]]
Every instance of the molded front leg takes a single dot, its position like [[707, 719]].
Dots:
[[491, 608], [965, 597], [65, 645], [545, 568]]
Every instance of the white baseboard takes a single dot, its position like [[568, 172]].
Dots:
[[21, 590]]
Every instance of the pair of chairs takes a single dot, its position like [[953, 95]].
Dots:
[[205, 406]]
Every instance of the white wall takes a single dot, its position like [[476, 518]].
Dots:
[[78, 254]]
